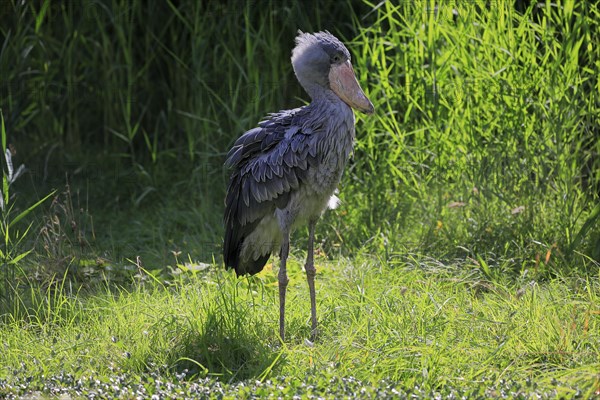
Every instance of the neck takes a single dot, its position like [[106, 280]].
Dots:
[[324, 97], [329, 111]]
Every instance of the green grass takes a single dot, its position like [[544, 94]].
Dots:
[[484, 108], [416, 326]]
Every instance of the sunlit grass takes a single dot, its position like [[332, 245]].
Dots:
[[416, 325], [481, 144]]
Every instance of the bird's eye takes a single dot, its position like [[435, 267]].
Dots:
[[336, 58]]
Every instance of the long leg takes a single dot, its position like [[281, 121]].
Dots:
[[283, 281], [310, 277]]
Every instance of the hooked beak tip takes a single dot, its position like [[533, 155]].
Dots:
[[369, 110]]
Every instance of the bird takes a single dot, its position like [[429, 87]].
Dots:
[[285, 172]]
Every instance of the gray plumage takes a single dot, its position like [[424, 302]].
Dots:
[[285, 171]]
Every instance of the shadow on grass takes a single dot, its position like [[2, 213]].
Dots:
[[228, 346]]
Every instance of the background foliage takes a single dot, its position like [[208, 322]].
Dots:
[[484, 144]]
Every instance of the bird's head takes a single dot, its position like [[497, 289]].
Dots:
[[321, 61]]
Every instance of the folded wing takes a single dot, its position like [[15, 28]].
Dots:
[[268, 162]]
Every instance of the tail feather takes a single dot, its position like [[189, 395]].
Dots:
[[236, 232], [232, 250]]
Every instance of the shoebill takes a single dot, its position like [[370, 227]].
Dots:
[[285, 171]]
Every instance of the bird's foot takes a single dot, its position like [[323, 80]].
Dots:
[[314, 334]]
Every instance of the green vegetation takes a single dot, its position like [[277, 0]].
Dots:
[[417, 329], [464, 259]]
